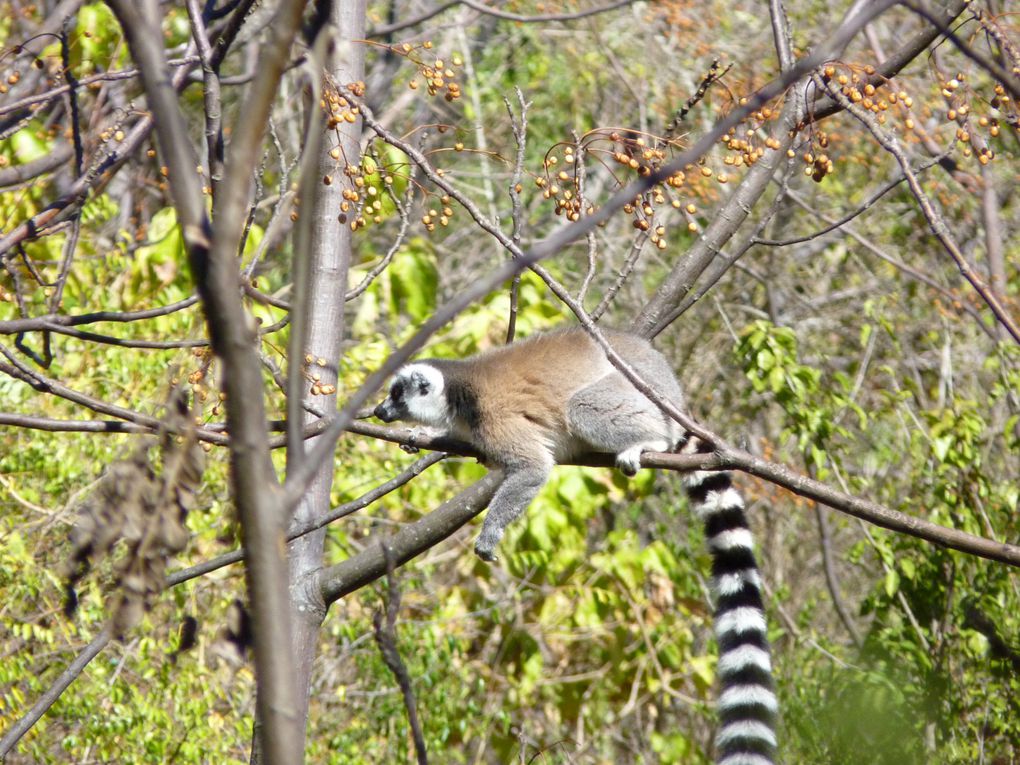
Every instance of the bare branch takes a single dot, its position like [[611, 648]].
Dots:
[[1008, 80], [61, 684], [519, 127], [19, 370], [890, 143], [904, 268], [301, 529], [413, 539], [52, 425], [18, 174], [50, 321], [211, 94], [863, 207], [389, 29], [386, 638], [212, 254], [831, 580], [489, 11]]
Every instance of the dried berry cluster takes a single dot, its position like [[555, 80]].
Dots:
[[136, 517], [627, 152], [361, 197], [441, 216], [438, 75], [318, 388], [972, 133]]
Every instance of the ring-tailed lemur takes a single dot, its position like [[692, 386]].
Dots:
[[551, 397]]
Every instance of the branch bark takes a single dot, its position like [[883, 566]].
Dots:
[[412, 540]]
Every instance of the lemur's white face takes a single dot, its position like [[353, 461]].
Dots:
[[417, 394]]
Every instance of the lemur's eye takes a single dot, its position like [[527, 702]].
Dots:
[[397, 393], [423, 388]]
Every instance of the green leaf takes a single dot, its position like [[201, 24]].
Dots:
[[892, 582], [414, 280]]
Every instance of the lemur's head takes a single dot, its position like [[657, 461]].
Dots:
[[417, 394]]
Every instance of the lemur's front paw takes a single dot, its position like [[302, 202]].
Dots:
[[485, 546], [485, 554], [629, 461]]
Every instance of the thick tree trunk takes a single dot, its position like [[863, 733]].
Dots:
[[329, 254]]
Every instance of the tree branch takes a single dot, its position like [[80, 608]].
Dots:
[[68, 676], [413, 539], [212, 255]]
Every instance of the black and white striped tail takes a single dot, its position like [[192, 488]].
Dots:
[[747, 701]]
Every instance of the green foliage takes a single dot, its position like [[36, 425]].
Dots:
[[813, 406]]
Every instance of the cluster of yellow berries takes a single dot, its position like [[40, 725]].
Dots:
[[862, 93], [564, 186], [745, 148], [318, 388], [561, 183], [196, 379], [817, 163], [12, 79], [442, 216], [361, 200], [437, 75], [958, 111], [338, 109]]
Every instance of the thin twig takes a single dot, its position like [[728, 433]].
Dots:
[[68, 676], [890, 143], [519, 126], [299, 530], [386, 638]]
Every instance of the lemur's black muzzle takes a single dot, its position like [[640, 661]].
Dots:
[[384, 412]]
